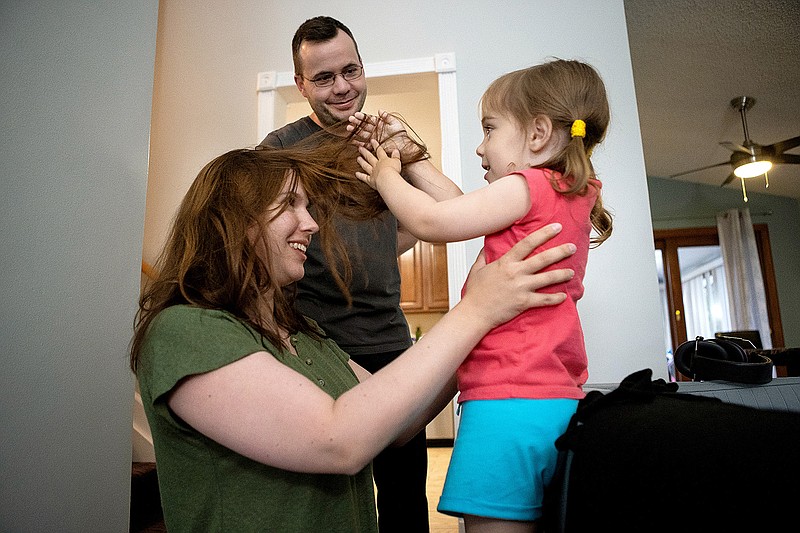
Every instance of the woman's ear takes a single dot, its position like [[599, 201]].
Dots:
[[540, 132]]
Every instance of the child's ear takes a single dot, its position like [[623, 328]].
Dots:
[[540, 132]]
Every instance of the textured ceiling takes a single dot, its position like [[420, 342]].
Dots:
[[690, 58]]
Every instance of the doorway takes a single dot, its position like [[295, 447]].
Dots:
[[406, 83], [693, 289], [424, 92]]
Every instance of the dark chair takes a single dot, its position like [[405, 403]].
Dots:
[[786, 360], [751, 335]]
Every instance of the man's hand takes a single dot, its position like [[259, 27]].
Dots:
[[387, 129]]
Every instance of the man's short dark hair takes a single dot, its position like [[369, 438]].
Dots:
[[317, 30]]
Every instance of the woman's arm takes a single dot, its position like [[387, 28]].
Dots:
[[481, 212], [445, 396], [264, 410]]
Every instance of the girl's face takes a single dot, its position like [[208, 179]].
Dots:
[[504, 147], [287, 236]]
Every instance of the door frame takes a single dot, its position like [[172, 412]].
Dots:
[[669, 240], [276, 89]]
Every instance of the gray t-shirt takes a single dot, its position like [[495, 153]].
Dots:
[[375, 323]]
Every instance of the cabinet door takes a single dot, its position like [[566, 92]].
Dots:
[[437, 294], [423, 273], [410, 263]]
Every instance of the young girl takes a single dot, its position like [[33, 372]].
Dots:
[[521, 384]]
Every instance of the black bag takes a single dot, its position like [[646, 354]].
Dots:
[[723, 358], [644, 457]]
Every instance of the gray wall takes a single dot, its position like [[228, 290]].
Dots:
[[678, 204], [76, 90]]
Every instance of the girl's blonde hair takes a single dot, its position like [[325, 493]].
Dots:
[[564, 91]]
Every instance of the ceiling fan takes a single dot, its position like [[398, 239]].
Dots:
[[751, 159]]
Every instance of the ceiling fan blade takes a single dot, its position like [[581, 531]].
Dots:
[[699, 169], [786, 159], [733, 147], [729, 179], [782, 146]]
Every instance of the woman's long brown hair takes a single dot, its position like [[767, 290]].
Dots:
[[208, 260]]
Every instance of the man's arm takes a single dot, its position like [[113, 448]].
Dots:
[[391, 133], [423, 175], [429, 179], [405, 240], [481, 212]]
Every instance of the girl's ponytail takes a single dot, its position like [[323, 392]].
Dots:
[[578, 165]]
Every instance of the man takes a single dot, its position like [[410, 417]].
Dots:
[[329, 73]]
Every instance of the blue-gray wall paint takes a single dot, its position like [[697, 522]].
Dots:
[[76, 81]]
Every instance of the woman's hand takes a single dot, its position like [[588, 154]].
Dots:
[[377, 164], [503, 289]]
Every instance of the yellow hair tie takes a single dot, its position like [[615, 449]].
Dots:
[[578, 129]]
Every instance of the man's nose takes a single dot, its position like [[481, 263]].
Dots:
[[340, 85]]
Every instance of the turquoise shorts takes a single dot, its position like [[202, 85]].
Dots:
[[504, 456]]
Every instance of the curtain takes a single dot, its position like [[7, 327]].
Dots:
[[705, 301], [746, 295]]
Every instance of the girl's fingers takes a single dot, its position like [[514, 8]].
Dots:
[[364, 165], [367, 155]]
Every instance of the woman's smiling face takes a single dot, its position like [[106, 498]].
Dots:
[[286, 235]]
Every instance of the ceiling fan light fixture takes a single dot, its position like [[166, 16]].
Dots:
[[750, 159], [752, 168]]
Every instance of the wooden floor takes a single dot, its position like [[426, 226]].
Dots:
[[438, 459]]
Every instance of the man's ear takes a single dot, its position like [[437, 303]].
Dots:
[[540, 131], [298, 80]]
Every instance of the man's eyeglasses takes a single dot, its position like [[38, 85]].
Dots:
[[353, 72]]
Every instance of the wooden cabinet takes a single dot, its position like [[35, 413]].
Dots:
[[423, 274]]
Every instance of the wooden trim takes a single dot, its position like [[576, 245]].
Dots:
[[148, 270], [770, 286]]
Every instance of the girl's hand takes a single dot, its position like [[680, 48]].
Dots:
[[377, 164]]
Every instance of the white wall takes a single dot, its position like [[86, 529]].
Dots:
[[205, 103], [75, 97]]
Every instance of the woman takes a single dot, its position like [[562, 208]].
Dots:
[[259, 422]]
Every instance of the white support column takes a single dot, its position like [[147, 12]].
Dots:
[[445, 65], [266, 88]]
